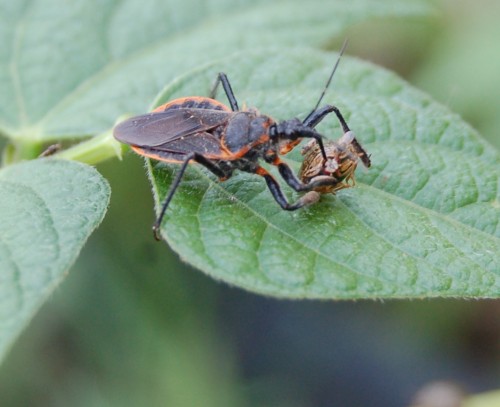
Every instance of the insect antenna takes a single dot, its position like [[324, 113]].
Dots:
[[344, 46]]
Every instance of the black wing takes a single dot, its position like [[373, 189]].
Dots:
[[160, 128]]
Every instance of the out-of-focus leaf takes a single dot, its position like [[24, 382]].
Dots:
[[48, 209]]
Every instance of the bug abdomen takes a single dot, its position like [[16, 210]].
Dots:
[[193, 102]]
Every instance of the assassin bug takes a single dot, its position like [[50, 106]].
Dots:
[[224, 139]]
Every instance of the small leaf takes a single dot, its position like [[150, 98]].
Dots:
[[48, 209], [423, 221]]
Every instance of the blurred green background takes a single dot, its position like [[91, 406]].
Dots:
[[133, 325]]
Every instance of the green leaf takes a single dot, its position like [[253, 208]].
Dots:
[[69, 69], [48, 208], [422, 222]]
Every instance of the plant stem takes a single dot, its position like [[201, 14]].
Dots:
[[94, 150]]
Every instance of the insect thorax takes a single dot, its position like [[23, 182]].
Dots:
[[245, 130]]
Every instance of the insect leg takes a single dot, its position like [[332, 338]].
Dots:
[[291, 179], [175, 184], [315, 117], [306, 132], [307, 199], [222, 78]]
